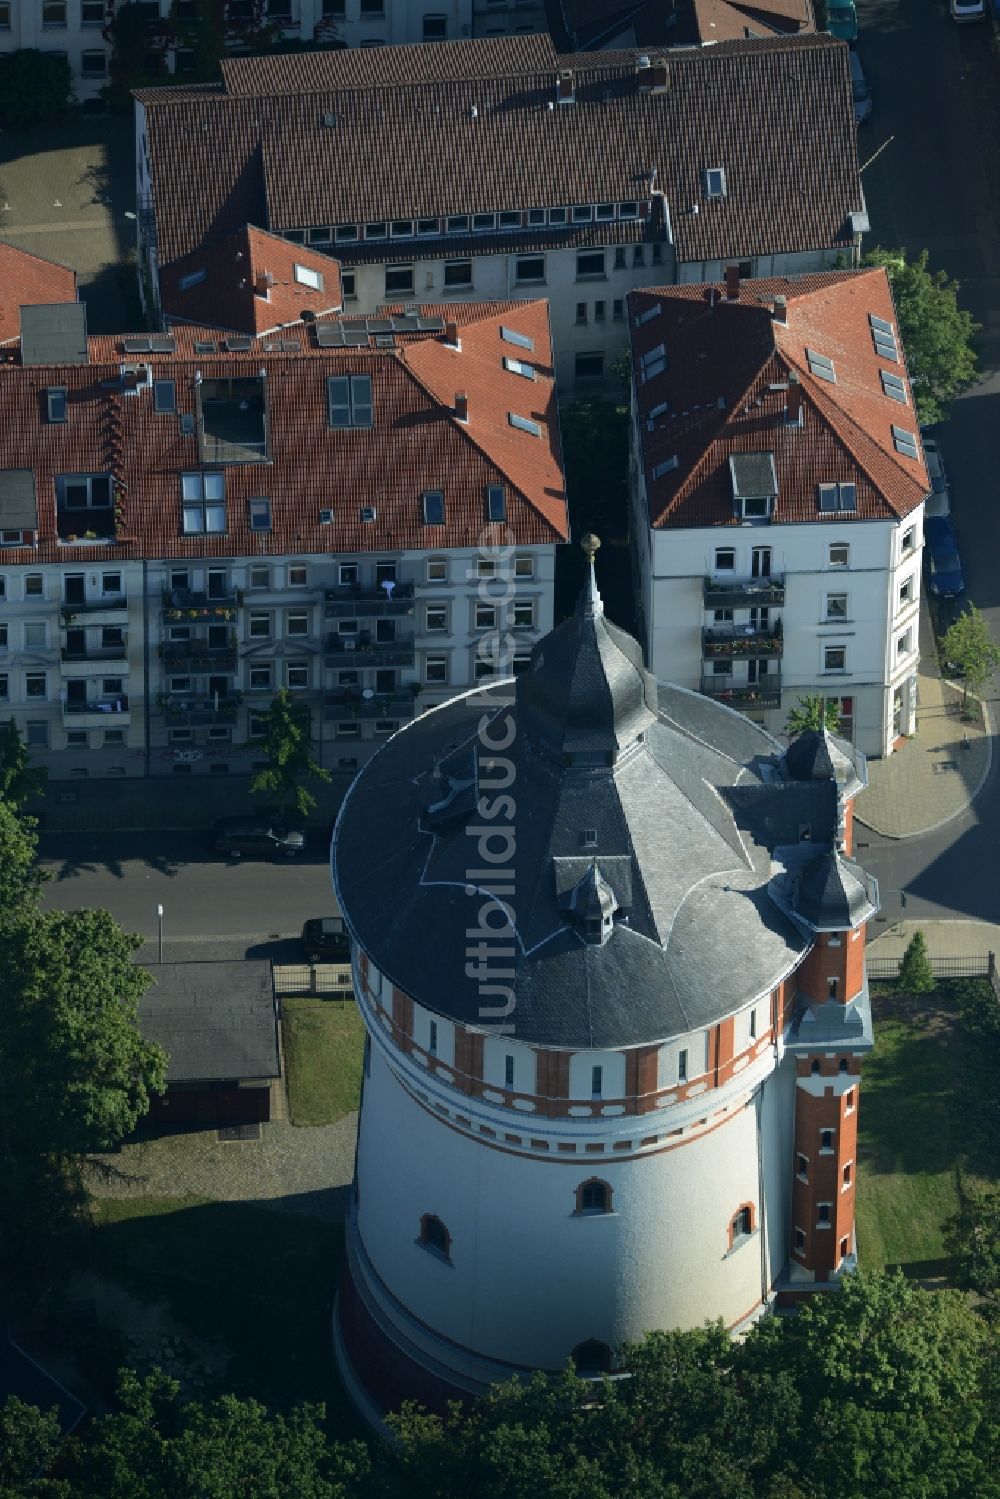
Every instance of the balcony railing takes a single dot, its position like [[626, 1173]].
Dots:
[[739, 593], [351, 601], [180, 604], [765, 693], [188, 712], [97, 711], [361, 651], [113, 602], [96, 653], [197, 655], [737, 644], [338, 706]]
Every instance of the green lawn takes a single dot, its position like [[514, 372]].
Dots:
[[324, 1047], [261, 1280], [908, 1150]]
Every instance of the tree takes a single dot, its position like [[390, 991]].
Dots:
[[20, 877], [936, 333], [288, 745], [19, 779], [29, 1441], [973, 1237], [969, 645], [813, 713], [33, 85], [916, 976]]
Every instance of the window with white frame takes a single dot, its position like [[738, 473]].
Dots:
[[725, 559], [297, 675], [835, 658], [260, 576], [33, 586], [259, 624], [34, 635], [298, 575], [437, 570], [296, 621], [203, 503], [436, 670], [260, 677], [906, 591], [529, 269], [836, 606], [523, 613], [436, 618], [486, 616], [839, 554], [306, 276], [524, 567]]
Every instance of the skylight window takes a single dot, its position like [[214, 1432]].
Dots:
[[649, 314], [837, 498], [306, 276], [518, 367], [496, 502], [349, 400], [55, 403], [524, 424], [660, 409], [654, 362], [194, 278], [821, 367], [520, 340], [884, 338], [893, 386], [904, 442], [432, 502], [666, 467], [715, 182]]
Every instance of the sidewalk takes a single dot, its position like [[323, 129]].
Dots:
[[934, 775], [159, 804], [945, 939]]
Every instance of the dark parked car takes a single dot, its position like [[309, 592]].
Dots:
[[257, 837], [325, 940], [945, 578]]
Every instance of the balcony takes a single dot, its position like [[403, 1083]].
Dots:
[[338, 706], [106, 653], [108, 603], [736, 593], [97, 713], [183, 711], [180, 606], [738, 644], [361, 651], [351, 601], [232, 421], [198, 655], [746, 696]]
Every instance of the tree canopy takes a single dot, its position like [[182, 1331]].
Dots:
[[969, 645], [19, 779], [916, 976], [937, 334], [33, 85], [288, 746], [813, 713]]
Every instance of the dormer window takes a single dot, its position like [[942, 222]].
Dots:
[[834, 498], [55, 404], [715, 182], [432, 502], [755, 485], [496, 502]]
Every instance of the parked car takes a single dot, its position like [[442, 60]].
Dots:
[[939, 501], [945, 578], [325, 940], [842, 20], [860, 90], [967, 10], [257, 837]]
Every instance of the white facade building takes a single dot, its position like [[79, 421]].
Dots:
[[810, 584]]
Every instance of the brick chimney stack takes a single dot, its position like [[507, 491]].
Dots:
[[451, 337], [462, 406], [732, 283]]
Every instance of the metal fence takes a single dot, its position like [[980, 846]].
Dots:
[[313, 978], [979, 965]]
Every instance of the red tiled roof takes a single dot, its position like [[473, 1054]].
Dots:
[[416, 442], [776, 114], [27, 280], [724, 360], [231, 296]]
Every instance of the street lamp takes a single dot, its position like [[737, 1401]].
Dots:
[[159, 919]]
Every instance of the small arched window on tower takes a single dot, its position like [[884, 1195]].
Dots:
[[434, 1236], [742, 1224], [593, 1196], [592, 1357], [844, 1064], [814, 1069]]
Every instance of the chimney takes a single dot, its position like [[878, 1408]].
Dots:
[[780, 310], [732, 283], [793, 403], [658, 77], [451, 337], [263, 281], [461, 406], [565, 92]]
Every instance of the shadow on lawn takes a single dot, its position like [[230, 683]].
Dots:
[[905, 1120]]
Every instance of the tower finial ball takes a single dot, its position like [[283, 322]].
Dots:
[[590, 544]]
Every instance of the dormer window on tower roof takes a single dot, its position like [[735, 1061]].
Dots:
[[755, 485]]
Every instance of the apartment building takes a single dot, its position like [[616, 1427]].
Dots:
[[363, 511], [778, 483], [491, 169]]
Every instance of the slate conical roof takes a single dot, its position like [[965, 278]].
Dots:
[[818, 755], [832, 893]]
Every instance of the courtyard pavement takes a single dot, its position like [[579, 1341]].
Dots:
[[945, 939]]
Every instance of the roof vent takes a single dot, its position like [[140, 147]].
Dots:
[[592, 905], [642, 61], [780, 310], [565, 90], [461, 406], [329, 121], [326, 517], [473, 111], [368, 513]]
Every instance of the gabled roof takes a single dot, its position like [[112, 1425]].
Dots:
[[250, 282], [27, 281], [722, 387], [675, 23], [416, 442], [775, 115]]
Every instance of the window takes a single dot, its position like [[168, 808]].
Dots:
[[834, 658], [823, 1214], [593, 1196], [592, 1357], [821, 366], [753, 1025], [349, 400], [399, 280], [259, 625], [432, 507], [297, 674], [193, 278], [589, 263], [77, 739], [596, 1082], [33, 585], [904, 442], [435, 617], [435, 670], [260, 517], [54, 14], [849, 1101], [618, 310], [260, 678], [682, 1066], [4, 687], [524, 424], [36, 734], [838, 497], [457, 223], [557, 215], [522, 614], [83, 491], [94, 63], [385, 572], [800, 1241], [909, 540], [839, 554], [428, 226], [372, 7], [34, 636], [113, 737], [402, 229], [343, 233], [486, 616], [305, 275], [847, 1175], [638, 255], [581, 312], [203, 503], [715, 182], [524, 567], [433, 1234], [348, 573], [496, 502], [457, 273], [35, 684], [257, 724], [348, 285], [529, 269], [893, 386], [55, 404], [598, 312], [260, 576], [298, 575], [904, 644], [826, 1141], [5, 14], [802, 1167], [164, 396], [589, 366], [296, 621], [725, 559], [742, 1224], [836, 606]]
